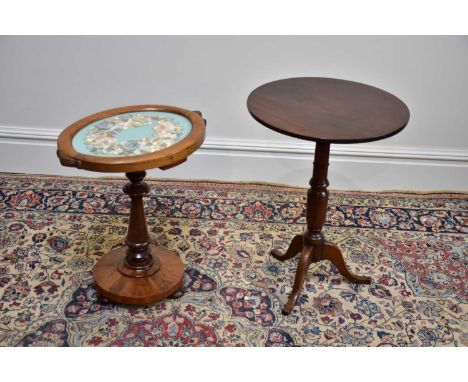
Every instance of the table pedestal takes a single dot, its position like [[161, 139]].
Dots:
[[139, 273], [312, 245]]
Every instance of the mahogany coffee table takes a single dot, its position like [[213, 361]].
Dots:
[[324, 110], [133, 139]]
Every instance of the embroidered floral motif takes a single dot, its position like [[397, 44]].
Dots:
[[131, 134]]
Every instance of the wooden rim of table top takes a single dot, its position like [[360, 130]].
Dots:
[[166, 157], [328, 110]]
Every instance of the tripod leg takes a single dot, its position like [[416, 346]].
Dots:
[[296, 245], [333, 253], [302, 267]]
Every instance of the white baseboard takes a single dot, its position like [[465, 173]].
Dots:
[[352, 167]]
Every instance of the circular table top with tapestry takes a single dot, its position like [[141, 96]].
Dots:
[[131, 138]]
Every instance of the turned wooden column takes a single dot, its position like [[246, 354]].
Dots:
[[317, 199], [138, 273], [138, 260]]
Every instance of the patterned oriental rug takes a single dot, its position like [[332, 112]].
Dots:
[[54, 229]]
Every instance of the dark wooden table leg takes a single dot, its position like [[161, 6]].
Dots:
[[139, 273], [138, 260], [314, 246], [297, 243], [301, 273]]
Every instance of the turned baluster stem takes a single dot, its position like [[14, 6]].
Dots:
[[317, 199], [138, 256]]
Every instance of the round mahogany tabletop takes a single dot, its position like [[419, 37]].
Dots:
[[328, 110]]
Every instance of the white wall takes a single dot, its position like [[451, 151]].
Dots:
[[46, 83]]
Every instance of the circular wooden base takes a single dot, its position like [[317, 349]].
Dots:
[[118, 287]]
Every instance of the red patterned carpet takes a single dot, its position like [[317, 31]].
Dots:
[[53, 230]]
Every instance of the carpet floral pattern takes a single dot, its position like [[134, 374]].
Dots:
[[53, 230]]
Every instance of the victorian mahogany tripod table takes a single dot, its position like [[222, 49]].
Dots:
[[324, 110], [133, 139]]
